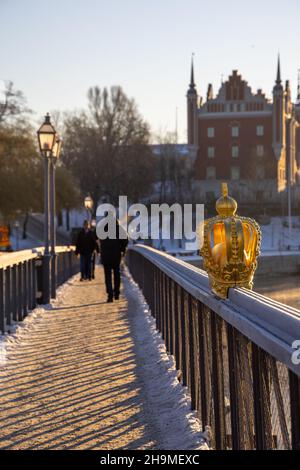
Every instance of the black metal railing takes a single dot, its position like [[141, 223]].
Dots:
[[234, 355], [21, 281]]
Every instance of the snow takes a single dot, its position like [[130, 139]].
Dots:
[[17, 332], [167, 401]]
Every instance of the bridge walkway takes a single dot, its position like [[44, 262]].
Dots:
[[70, 378]]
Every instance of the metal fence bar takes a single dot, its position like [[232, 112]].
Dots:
[[25, 289], [176, 325], [261, 398], [192, 357], [2, 314], [14, 289], [183, 342], [203, 363], [20, 292], [34, 284], [235, 403], [8, 298], [217, 382], [294, 381]]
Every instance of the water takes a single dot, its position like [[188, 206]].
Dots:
[[283, 288]]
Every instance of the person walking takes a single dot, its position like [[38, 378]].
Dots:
[[111, 252], [85, 247]]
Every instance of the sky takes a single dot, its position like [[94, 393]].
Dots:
[[54, 50]]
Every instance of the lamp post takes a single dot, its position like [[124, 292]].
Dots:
[[88, 204], [53, 159], [46, 138]]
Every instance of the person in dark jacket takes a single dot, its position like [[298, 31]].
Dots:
[[85, 247], [111, 251], [95, 252]]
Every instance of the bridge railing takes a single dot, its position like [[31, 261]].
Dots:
[[21, 281], [234, 355]]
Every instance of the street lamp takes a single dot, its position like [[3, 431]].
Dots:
[[46, 138], [53, 160], [88, 204]]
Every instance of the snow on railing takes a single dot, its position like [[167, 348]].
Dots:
[[237, 356]]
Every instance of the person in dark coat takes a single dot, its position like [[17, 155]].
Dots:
[[85, 247], [94, 253], [111, 252]]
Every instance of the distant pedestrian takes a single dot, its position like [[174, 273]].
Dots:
[[111, 251], [96, 251], [85, 247]]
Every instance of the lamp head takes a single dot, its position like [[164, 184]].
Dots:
[[46, 136]]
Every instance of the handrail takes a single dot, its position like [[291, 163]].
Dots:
[[270, 324], [8, 259]]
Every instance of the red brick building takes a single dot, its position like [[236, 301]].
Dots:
[[245, 139]]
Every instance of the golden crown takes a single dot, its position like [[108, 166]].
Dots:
[[231, 245]]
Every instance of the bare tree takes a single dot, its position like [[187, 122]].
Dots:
[[106, 147], [12, 105]]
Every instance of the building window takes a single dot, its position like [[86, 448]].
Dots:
[[260, 150], [235, 151], [235, 173], [210, 152], [260, 172], [259, 130], [210, 132], [234, 131], [211, 173]]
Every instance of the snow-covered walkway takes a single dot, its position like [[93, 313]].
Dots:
[[84, 374]]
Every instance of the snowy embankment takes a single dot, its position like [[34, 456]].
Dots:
[[17, 332], [167, 402]]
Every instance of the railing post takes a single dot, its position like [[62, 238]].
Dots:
[[163, 306], [160, 301], [203, 360], [14, 292], [183, 338], [171, 315], [234, 388], [261, 398], [8, 295], [2, 316], [192, 351], [34, 284], [167, 312], [29, 280], [294, 381], [218, 382], [25, 288], [176, 327], [20, 288]]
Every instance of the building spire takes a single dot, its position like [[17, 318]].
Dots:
[[192, 83], [298, 88], [278, 78]]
